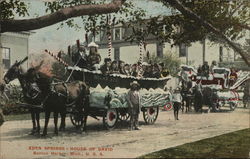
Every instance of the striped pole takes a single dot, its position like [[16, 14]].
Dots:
[[140, 59], [109, 37], [141, 52], [57, 58], [78, 45]]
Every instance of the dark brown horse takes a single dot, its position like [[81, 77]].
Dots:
[[60, 95], [53, 97], [186, 93], [31, 95]]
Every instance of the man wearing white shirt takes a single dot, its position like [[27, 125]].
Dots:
[[176, 99]]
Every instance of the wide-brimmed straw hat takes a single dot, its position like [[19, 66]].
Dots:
[[93, 44], [177, 89], [134, 83]]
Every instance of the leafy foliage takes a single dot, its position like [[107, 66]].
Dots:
[[10, 106], [171, 62], [95, 23], [230, 17], [9, 8]]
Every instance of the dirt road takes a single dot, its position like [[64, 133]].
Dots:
[[97, 142]]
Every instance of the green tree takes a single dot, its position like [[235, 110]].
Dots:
[[170, 60], [220, 21]]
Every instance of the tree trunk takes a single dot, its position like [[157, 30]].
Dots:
[[11, 25], [191, 15], [1, 58]]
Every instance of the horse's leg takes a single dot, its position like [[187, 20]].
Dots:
[[47, 115], [38, 121], [182, 105], [85, 122], [55, 122], [187, 104], [196, 103], [200, 104], [32, 113], [62, 125]]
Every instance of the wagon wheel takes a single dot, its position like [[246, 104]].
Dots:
[[76, 119], [123, 115], [216, 107], [168, 107], [150, 114], [232, 106], [110, 118]]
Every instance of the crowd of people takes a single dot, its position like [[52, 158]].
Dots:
[[93, 59], [205, 70], [146, 70]]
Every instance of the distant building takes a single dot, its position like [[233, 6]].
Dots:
[[193, 54], [15, 46]]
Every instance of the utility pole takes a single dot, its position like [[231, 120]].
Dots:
[[1, 57], [186, 49], [204, 50]]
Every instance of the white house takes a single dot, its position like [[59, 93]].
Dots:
[[14, 46], [195, 54]]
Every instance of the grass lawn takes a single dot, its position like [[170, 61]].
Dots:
[[231, 145]]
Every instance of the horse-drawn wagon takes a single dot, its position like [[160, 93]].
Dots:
[[216, 89], [108, 96]]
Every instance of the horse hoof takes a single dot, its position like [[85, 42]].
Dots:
[[32, 132], [56, 132], [61, 129]]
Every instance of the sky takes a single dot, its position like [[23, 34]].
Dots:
[[54, 40]]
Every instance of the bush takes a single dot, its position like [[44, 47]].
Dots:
[[10, 105], [172, 63]]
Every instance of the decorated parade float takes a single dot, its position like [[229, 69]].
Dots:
[[223, 83], [108, 92]]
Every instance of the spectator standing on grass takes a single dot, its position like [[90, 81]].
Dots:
[[176, 99]]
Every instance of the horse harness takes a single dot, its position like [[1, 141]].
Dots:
[[52, 91]]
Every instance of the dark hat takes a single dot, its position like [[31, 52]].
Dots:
[[107, 60], [115, 62]]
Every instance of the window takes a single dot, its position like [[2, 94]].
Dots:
[[117, 34], [159, 50], [221, 54], [103, 35], [117, 54], [6, 57], [183, 50]]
